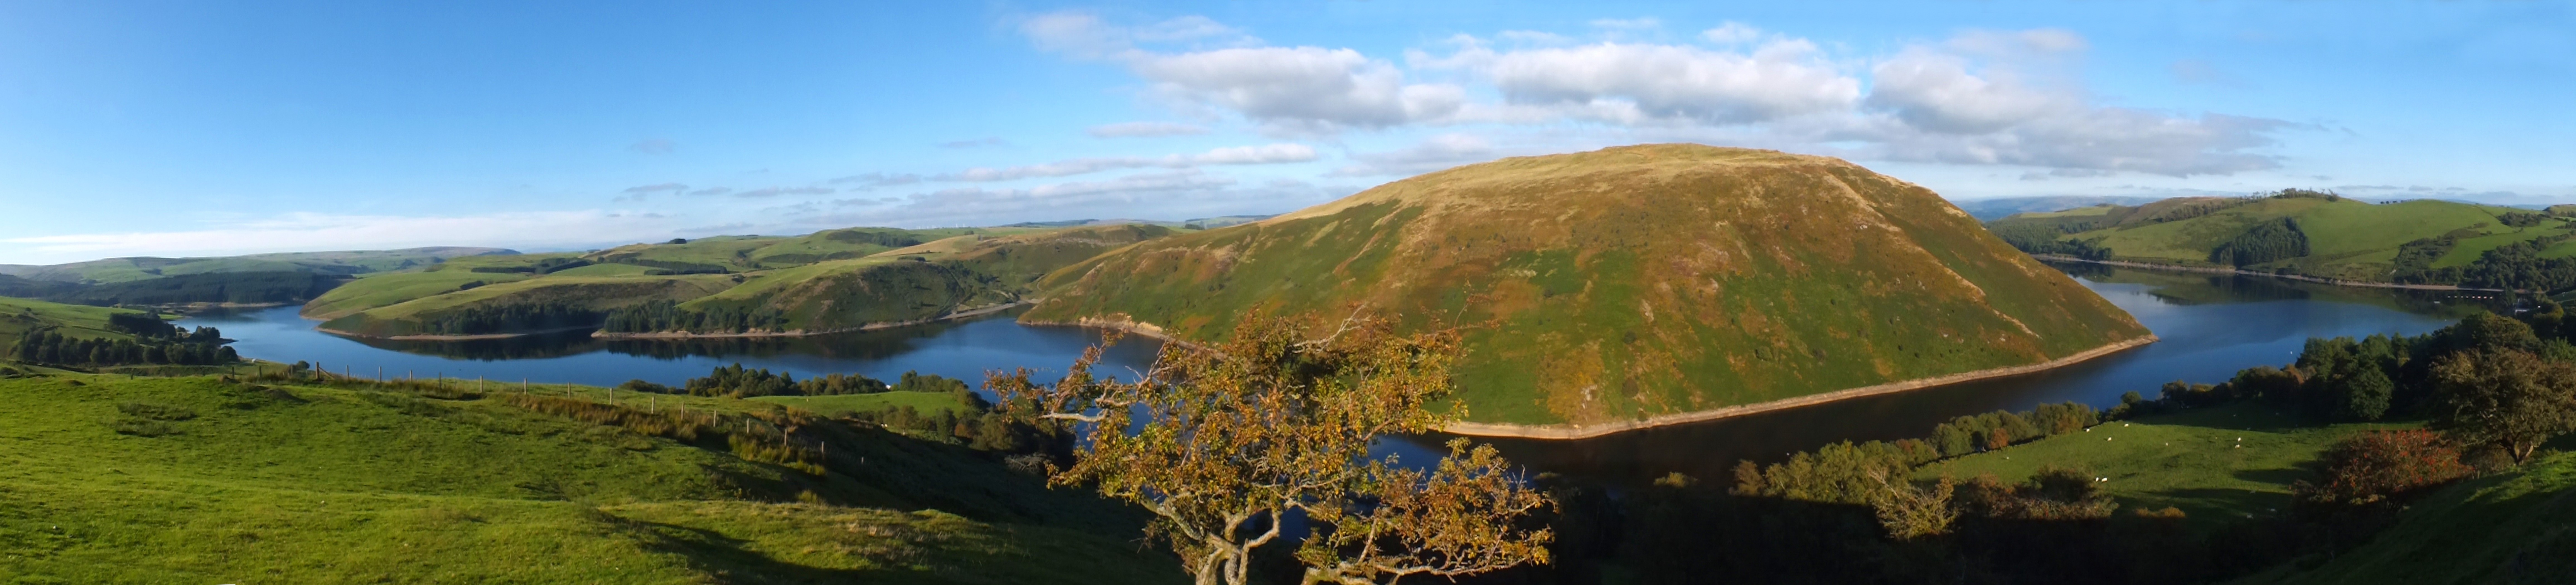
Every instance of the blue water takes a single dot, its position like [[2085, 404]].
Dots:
[[965, 351]]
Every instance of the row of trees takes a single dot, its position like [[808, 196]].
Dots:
[[2265, 242], [665, 315], [511, 318], [737, 381], [2033, 238], [204, 347]]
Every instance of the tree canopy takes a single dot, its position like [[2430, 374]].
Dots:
[[1224, 443]]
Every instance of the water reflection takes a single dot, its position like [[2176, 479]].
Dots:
[[2211, 325], [964, 350]]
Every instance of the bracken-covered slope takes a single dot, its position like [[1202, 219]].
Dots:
[[1620, 285]]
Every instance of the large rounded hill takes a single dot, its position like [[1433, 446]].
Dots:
[[1601, 289]]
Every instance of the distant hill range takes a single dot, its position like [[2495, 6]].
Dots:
[[1629, 286], [2321, 235], [1195, 224], [833, 280], [255, 279], [1998, 208], [115, 270]]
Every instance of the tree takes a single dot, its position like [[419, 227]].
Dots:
[[2506, 399], [1223, 443], [2366, 395]]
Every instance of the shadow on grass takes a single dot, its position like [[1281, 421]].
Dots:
[[729, 560]]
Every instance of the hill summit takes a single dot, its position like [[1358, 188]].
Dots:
[[1631, 286]]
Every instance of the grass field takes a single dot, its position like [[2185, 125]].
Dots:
[[923, 402], [78, 321], [2215, 464], [213, 482], [605, 270], [389, 289], [601, 292], [2347, 238], [2518, 527]]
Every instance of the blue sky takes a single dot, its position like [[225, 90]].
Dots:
[[207, 128]]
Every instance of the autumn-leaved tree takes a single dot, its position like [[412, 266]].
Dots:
[[1224, 442], [2505, 398]]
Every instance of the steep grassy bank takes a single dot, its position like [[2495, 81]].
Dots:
[[1627, 283], [199, 480], [2519, 527]]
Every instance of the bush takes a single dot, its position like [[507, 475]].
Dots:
[[2375, 466]]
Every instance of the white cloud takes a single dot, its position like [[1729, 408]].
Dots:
[[1285, 152], [1161, 194], [1935, 91], [875, 180], [777, 191], [1731, 33], [1631, 83], [1299, 89], [1145, 130], [1289, 90], [1981, 97], [314, 232], [1436, 153]]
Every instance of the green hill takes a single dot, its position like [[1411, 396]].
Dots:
[[2315, 234], [329, 263], [2519, 527], [109, 480], [915, 283], [731, 284], [17, 316], [537, 304], [1609, 287]]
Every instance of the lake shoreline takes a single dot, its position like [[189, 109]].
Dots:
[[1587, 431], [967, 314], [2244, 272]]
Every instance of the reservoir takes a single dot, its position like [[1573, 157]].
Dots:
[[2210, 325]]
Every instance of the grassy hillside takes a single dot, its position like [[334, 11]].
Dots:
[[332, 263], [210, 287], [2215, 464], [1628, 282], [2518, 527], [77, 321], [577, 293], [383, 290], [199, 480], [913, 283], [2344, 238], [750, 283]]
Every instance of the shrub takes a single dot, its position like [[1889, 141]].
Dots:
[[2374, 466]]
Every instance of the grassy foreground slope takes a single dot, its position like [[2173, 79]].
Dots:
[[2518, 527], [107, 480], [2216, 464], [1628, 282]]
